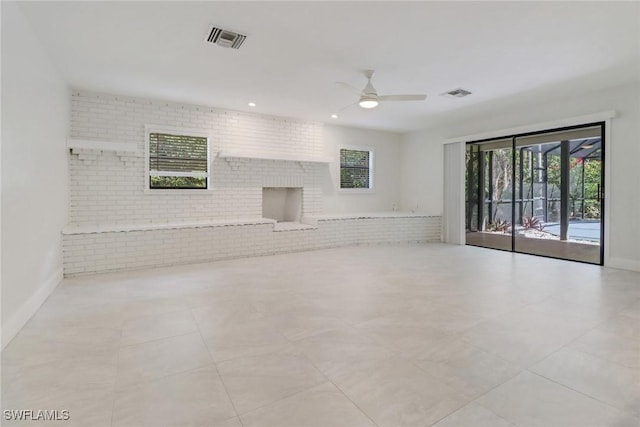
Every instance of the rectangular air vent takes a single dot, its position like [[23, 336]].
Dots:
[[225, 38], [457, 93]]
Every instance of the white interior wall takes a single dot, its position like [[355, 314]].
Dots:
[[35, 118], [422, 174], [386, 170]]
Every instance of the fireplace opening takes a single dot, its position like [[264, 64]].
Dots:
[[283, 204]]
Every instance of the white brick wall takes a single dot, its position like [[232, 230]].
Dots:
[[108, 251], [109, 187]]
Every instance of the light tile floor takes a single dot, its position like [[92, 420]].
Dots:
[[409, 335]]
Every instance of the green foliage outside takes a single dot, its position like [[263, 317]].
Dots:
[[533, 176], [354, 178], [354, 169], [592, 174], [174, 182]]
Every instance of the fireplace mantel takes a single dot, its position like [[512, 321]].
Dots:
[[269, 156]]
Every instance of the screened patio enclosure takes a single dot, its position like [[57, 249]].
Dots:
[[539, 193]]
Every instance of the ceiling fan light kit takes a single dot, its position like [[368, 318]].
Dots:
[[368, 102]]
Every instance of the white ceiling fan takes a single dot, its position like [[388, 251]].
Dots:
[[369, 97]]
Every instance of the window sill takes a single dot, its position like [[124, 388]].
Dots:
[[189, 191], [356, 191]]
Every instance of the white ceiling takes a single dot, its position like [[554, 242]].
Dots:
[[295, 51]]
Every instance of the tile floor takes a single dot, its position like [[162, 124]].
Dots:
[[410, 335]]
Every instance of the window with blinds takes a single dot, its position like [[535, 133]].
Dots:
[[178, 161], [355, 168]]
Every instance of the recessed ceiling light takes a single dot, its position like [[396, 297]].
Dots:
[[252, 104], [334, 116]]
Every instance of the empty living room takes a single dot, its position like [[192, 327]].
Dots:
[[320, 214]]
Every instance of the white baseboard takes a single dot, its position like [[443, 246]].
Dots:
[[12, 326], [623, 263]]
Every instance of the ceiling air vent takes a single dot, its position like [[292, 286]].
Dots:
[[225, 38], [457, 93]]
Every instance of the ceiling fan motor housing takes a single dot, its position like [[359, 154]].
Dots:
[[369, 90]]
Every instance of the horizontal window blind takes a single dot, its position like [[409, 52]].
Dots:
[[355, 169], [178, 161], [177, 153]]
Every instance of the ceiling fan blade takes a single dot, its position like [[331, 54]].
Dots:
[[351, 88], [346, 106], [402, 98]]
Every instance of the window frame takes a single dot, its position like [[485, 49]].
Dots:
[[371, 188], [201, 133]]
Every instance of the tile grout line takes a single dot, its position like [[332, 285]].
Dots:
[[148, 381], [327, 379], [282, 398], [215, 365], [226, 390], [155, 340], [582, 393], [415, 365], [114, 395], [513, 424], [397, 353], [292, 342], [566, 346], [602, 359], [340, 390], [620, 312], [475, 400], [586, 331], [163, 377]]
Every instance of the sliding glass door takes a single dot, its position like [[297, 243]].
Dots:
[[539, 193]]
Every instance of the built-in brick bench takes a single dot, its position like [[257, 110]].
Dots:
[[105, 248]]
